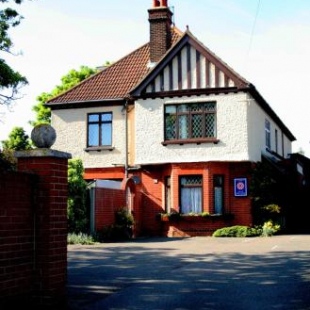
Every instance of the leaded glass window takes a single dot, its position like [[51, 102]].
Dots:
[[191, 194], [218, 188], [190, 121]]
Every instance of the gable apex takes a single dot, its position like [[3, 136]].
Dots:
[[189, 65]]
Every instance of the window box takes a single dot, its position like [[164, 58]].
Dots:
[[166, 217], [175, 217]]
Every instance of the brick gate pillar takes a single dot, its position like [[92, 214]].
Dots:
[[50, 207]]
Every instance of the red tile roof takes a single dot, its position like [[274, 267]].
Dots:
[[113, 82]]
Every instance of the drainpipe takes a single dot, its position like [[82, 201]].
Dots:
[[126, 139]]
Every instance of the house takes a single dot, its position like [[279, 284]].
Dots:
[[177, 126]]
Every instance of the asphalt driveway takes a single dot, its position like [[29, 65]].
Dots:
[[192, 273]]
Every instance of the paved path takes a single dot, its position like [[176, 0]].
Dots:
[[192, 273]]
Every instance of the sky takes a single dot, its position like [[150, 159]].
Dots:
[[266, 41]]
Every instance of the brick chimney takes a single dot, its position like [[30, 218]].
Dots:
[[160, 18]]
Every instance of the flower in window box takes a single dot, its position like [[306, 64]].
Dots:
[[165, 217]]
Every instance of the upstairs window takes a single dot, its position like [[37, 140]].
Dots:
[[192, 122], [276, 139], [267, 134], [99, 130]]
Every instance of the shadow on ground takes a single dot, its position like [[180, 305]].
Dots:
[[201, 275]]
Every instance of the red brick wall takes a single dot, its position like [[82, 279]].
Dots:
[[193, 226], [107, 201], [153, 195], [34, 230], [149, 198], [51, 226], [16, 233], [241, 207]]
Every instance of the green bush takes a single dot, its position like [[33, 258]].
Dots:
[[114, 232], [237, 231], [269, 228], [80, 238], [120, 230]]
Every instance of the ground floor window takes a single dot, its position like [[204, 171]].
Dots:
[[167, 194], [218, 189], [191, 194]]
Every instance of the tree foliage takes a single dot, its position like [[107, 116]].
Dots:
[[77, 208], [18, 140], [10, 80], [71, 79], [7, 161], [267, 194]]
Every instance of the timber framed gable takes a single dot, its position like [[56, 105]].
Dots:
[[189, 67]]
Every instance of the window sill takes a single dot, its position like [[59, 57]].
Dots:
[[190, 141], [99, 148]]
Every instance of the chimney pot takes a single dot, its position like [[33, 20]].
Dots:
[[160, 3], [155, 3]]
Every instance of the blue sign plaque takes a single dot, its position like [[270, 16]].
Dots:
[[240, 187]]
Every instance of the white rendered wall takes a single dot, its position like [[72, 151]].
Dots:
[[257, 143], [232, 132], [240, 130], [71, 130]]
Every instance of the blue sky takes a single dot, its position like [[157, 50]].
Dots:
[[265, 41]]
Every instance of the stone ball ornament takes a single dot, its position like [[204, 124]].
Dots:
[[43, 136]]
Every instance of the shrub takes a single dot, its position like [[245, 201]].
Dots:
[[80, 238], [120, 230], [269, 229], [7, 160], [237, 231]]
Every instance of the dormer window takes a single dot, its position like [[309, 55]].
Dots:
[[191, 122]]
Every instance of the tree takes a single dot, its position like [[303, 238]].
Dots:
[[18, 141], [269, 193], [72, 78], [78, 219], [10, 81], [77, 213]]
